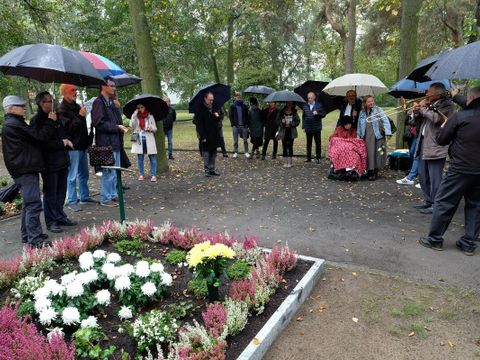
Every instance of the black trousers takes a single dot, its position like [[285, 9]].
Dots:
[[31, 227], [265, 146], [287, 143], [453, 187], [54, 192], [318, 145]]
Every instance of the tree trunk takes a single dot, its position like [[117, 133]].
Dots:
[[408, 48], [148, 70], [216, 74], [476, 27], [230, 74], [349, 43]]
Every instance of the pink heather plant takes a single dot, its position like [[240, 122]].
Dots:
[[112, 230], [188, 239], [250, 242], [92, 237], [20, 340], [34, 257], [215, 319], [283, 259], [139, 229], [221, 238], [68, 247], [264, 272], [10, 269], [169, 235], [243, 290]]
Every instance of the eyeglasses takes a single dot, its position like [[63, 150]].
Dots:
[[22, 106]]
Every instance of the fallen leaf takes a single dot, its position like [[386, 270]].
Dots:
[[300, 318], [411, 334], [256, 341], [355, 320], [354, 273], [451, 344]]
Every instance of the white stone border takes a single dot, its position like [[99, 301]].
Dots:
[[285, 312]]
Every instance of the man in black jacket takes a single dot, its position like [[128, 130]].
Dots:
[[238, 115], [21, 146], [168, 126], [350, 107], [462, 132], [74, 122], [56, 159]]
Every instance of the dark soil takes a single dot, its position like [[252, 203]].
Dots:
[[110, 322]]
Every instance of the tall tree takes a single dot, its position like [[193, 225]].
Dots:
[[148, 69]]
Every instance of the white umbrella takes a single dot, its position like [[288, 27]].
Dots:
[[363, 84]]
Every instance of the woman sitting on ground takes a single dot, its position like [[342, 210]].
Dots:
[[143, 124]]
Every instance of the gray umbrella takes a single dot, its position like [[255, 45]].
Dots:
[[460, 64], [126, 79], [284, 96], [259, 89], [50, 63]]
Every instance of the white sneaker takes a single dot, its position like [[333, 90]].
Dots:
[[418, 186], [247, 155], [405, 181], [235, 155]]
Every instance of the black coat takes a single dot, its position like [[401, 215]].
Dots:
[[462, 132], [105, 119], [207, 128], [233, 115], [75, 125], [55, 154], [169, 119], [21, 146], [271, 125], [357, 106]]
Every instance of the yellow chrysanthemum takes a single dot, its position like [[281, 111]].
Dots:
[[206, 251]]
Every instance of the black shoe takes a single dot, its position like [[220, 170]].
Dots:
[[44, 236], [125, 187], [317, 161], [427, 211], [274, 157], [425, 242], [263, 157], [214, 173], [372, 177], [308, 160], [421, 206], [54, 229], [170, 157], [465, 251], [207, 174], [225, 155], [67, 222], [41, 244]]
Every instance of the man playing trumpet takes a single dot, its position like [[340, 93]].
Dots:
[[433, 110]]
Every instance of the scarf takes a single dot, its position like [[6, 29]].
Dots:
[[141, 119]]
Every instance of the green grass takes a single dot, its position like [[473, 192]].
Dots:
[[420, 331], [409, 310]]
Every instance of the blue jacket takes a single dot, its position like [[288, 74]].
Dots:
[[105, 119], [375, 119], [313, 123]]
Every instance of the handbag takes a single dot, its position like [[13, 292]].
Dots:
[[134, 137], [393, 127], [101, 156]]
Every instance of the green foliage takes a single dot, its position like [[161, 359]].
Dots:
[[198, 287], [176, 256], [4, 181], [2, 208], [181, 309], [18, 202], [25, 308], [239, 270], [87, 344], [131, 247]]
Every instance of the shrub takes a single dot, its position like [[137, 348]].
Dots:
[[237, 315], [4, 181], [175, 257], [243, 290], [239, 270], [215, 319], [87, 343], [283, 259], [18, 202], [2, 208], [198, 287], [139, 229], [20, 339], [10, 269], [132, 247], [153, 328]]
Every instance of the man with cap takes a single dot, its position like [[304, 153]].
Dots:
[[21, 145]]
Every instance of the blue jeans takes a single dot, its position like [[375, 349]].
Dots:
[[168, 134], [109, 181], [153, 163], [412, 174], [78, 167]]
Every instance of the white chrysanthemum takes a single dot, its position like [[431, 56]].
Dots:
[[157, 267], [47, 315], [70, 316], [87, 277], [125, 313], [126, 270], [149, 288], [99, 254], [109, 270], [75, 289], [41, 293], [113, 258], [91, 321], [122, 283], [86, 260], [167, 279], [142, 269], [55, 331], [41, 304], [54, 287], [103, 297], [68, 278]]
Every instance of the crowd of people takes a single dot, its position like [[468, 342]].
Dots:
[[55, 145]]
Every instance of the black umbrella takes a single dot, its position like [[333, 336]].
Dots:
[[221, 94], [418, 73], [259, 89], [328, 101], [126, 80], [284, 96], [50, 63], [460, 64], [154, 104]]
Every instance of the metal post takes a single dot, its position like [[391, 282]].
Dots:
[[121, 205]]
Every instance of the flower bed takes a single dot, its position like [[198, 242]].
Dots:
[[141, 294]]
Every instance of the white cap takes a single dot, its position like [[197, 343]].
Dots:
[[13, 100]]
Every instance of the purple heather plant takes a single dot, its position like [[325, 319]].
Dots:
[[215, 319], [283, 259]]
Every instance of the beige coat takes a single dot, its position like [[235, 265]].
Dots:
[[150, 129]]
